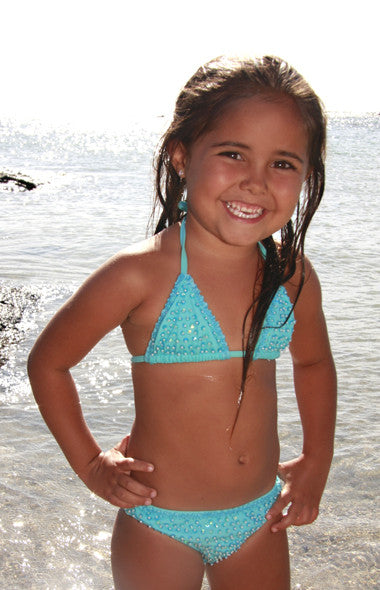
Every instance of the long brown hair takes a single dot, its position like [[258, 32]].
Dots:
[[209, 91]]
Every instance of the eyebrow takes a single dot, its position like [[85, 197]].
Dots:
[[291, 155], [284, 153], [232, 143]]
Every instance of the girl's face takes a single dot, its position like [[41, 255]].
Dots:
[[245, 175]]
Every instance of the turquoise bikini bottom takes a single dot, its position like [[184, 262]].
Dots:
[[215, 534]]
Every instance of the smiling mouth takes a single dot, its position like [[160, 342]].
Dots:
[[243, 211]]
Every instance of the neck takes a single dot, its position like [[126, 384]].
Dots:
[[199, 240]]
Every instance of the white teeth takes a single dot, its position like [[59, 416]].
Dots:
[[244, 212]]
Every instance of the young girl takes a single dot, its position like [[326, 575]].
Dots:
[[206, 306]]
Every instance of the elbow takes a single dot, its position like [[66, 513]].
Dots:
[[34, 367], [33, 362], [43, 362], [38, 364], [30, 363], [43, 375], [33, 373]]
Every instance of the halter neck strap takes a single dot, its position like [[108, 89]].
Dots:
[[183, 249]]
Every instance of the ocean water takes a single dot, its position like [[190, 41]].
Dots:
[[93, 198]]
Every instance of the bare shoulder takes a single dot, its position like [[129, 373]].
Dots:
[[105, 300], [128, 278], [129, 268], [311, 294], [136, 266]]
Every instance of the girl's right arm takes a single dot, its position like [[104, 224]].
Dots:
[[100, 305]]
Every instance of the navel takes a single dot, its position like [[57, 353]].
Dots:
[[243, 459]]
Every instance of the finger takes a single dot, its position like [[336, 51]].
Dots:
[[128, 493], [306, 516], [131, 485], [128, 500], [283, 523], [280, 504], [296, 515], [281, 471], [130, 464]]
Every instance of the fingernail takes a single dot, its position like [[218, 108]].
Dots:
[[268, 516], [150, 468], [153, 494], [147, 502]]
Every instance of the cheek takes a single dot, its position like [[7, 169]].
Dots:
[[209, 180], [288, 189], [223, 175]]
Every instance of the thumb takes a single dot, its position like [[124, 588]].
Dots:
[[122, 446], [280, 504]]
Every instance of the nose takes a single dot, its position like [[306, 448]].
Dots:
[[253, 178]]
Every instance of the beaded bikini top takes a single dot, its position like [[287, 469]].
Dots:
[[187, 331]]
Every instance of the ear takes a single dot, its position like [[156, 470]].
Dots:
[[178, 155]]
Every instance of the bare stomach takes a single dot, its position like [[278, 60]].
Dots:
[[184, 427]]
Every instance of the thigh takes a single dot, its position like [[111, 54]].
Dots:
[[261, 563], [144, 558]]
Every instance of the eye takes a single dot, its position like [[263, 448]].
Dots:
[[283, 165], [231, 155]]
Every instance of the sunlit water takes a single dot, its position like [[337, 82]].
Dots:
[[93, 199]]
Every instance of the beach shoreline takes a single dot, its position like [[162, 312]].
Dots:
[[55, 535]]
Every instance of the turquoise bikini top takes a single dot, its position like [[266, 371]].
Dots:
[[187, 331]]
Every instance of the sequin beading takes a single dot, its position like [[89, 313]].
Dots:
[[215, 534], [187, 331]]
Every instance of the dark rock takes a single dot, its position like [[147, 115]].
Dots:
[[18, 181], [13, 303]]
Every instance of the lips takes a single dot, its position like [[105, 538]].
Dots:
[[244, 211]]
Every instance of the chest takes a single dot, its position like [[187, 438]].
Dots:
[[191, 308]]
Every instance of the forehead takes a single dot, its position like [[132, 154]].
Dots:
[[276, 117]]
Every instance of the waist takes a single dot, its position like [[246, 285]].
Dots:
[[229, 510], [207, 477]]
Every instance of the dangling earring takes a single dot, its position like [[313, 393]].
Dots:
[[182, 205]]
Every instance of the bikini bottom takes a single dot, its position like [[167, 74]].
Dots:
[[215, 534]]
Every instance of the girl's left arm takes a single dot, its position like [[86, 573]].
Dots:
[[316, 390]]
